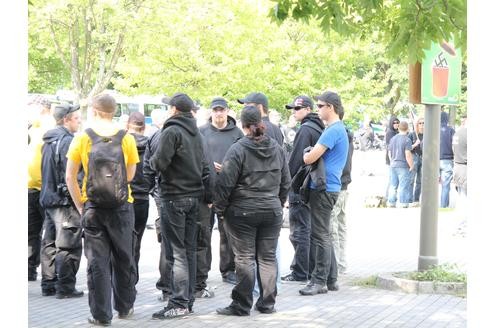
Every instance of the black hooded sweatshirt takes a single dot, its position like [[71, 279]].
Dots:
[[254, 178], [220, 140], [306, 136], [139, 185], [53, 165], [180, 160], [391, 132]]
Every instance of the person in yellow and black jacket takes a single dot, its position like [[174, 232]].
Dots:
[[108, 157]]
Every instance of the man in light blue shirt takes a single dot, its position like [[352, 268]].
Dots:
[[332, 147]]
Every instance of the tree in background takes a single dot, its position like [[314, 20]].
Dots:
[[407, 27], [87, 37]]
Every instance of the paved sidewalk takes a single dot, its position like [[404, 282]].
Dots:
[[379, 240]]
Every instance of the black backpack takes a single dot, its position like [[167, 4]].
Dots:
[[106, 185]]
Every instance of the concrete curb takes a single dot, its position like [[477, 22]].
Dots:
[[390, 282]]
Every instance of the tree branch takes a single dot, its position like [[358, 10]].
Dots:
[[450, 17]]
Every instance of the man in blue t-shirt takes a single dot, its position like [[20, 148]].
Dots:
[[332, 147], [401, 165]]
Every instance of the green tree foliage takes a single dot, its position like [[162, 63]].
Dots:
[[407, 27], [87, 37], [221, 47]]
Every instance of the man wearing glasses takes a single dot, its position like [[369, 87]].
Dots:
[[219, 133], [332, 147], [299, 213], [416, 137]]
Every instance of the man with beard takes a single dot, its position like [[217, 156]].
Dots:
[[219, 134]]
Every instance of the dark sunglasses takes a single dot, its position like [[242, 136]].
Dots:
[[396, 122], [321, 105]]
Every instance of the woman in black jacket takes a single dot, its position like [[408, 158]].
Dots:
[[250, 192]]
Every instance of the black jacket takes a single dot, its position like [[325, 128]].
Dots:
[[345, 179], [219, 141], [180, 160], [273, 131], [54, 191], [139, 185], [150, 175], [254, 177], [389, 134], [306, 136]]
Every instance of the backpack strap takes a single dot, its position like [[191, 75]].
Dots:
[[313, 126], [118, 137], [92, 135]]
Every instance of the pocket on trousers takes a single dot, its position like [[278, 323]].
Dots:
[[71, 232]]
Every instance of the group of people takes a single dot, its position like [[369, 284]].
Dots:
[[96, 185], [404, 156]]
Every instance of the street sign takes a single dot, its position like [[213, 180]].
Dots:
[[441, 75]]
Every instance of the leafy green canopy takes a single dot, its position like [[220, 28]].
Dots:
[[407, 27]]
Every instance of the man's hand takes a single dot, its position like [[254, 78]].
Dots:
[[218, 166]]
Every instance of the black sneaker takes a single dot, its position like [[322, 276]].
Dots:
[[170, 313], [32, 277], [230, 277], [204, 293], [74, 294], [96, 322], [313, 289], [266, 310], [48, 292], [333, 286], [126, 315], [291, 278], [229, 310]]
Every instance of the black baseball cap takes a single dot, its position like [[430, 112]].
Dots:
[[299, 102], [219, 102], [182, 102], [255, 97], [60, 111]]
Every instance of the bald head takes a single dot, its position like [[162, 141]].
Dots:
[[403, 126]]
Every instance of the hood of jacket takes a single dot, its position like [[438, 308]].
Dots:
[[391, 123], [53, 134], [444, 119], [185, 120], [313, 117], [231, 124], [264, 148]]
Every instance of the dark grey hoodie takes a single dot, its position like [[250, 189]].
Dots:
[[254, 178], [220, 140]]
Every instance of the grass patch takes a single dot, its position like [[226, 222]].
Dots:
[[369, 282], [441, 273]]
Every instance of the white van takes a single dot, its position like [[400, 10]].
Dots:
[[142, 103]]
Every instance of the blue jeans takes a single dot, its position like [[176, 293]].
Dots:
[[179, 222], [399, 184], [415, 178], [446, 173]]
